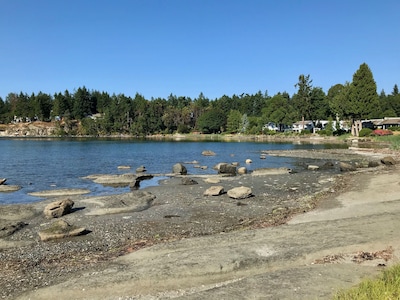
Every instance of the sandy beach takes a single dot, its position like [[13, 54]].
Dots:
[[300, 236]]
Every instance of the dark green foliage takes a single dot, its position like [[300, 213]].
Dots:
[[302, 100], [363, 102], [365, 132], [98, 113], [234, 121], [212, 121]]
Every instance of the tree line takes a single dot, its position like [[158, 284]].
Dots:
[[99, 113]]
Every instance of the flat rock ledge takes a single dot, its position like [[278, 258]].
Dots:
[[130, 202], [4, 188], [61, 229], [60, 192], [270, 171], [113, 180]]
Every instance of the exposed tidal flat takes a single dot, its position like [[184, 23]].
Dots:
[[167, 214]]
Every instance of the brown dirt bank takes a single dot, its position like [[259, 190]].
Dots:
[[178, 213]]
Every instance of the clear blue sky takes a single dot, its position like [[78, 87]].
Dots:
[[184, 47]]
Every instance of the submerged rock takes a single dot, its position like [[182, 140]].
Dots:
[[208, 153]]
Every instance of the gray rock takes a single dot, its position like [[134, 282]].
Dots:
[[218, 166], [188, 181], [214, 191], [373, 164], [242, 170], [208, 153], [328, 165], [136, 183], [346, 167], [228, 169], [388, 160], [9, 188], [9, 229], [179, 169], [271, 171], [58, 209], [241, 192], [61, 229], [125, 203], [313, 167], [212, 180], [141, 169]]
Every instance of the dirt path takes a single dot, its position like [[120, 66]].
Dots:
[[350, 236]]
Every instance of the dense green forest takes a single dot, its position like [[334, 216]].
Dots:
[[100, 113]]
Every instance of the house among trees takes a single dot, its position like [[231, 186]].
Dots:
[[386, 123], [303, 125]]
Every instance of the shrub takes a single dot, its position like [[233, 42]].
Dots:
[[365, 132], [183, 128], [394, 128]]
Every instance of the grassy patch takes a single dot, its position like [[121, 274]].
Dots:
[[386, 286], [393, 140]]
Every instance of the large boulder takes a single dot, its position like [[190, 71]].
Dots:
[[227, 169], [388, 160], [241, 192], [61, 229], [179, 169], [214, 191], [242, 170], [58, 208]]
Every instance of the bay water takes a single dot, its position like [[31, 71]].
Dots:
[[46, 164]]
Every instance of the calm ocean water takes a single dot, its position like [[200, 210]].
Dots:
[[45, 164]]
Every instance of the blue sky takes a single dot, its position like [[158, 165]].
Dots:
[[184, 47]]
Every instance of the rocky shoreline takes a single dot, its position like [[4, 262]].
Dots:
[[120, 224]]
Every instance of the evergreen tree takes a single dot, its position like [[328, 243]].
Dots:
[[363, 98], [302, 99], [233, 121], [395, 90]]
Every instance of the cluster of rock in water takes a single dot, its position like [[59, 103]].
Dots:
[[57, 209]]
